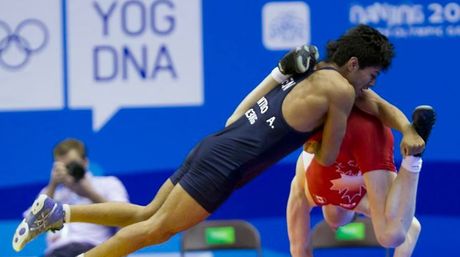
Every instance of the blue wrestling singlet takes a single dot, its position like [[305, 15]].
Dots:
[[233, 156]]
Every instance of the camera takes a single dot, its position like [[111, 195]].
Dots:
[[76, 170]]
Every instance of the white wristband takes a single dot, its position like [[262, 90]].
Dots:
[[278, 76], [412, 163]]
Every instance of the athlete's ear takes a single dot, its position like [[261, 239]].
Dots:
[[353, 64]]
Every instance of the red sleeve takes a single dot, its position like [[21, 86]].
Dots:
[[373, 143]]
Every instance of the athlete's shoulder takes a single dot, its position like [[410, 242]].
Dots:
[[333, 82]]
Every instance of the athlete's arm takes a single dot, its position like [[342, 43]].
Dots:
[[388, 114], [341, 100], [392, 117], [297, 215], [262, 89], [287, 66]]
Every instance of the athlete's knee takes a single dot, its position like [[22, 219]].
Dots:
[[415, 228], [138, 214], [159, 236], [158, 230], [135, 235], [411, 238], [334, 224], [395, 234], [145, 213], [391, 237], [338, 219]]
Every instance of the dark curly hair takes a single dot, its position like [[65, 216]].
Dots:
[[371, 47]]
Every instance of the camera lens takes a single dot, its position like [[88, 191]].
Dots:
[[76, 170]]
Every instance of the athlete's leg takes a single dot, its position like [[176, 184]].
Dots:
[[406, 248], [122, 214], [47, 214], [179, 212], [119, 214], [390, 233], [392, 200], [392, 205]]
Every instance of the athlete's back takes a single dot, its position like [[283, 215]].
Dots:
[[312, 98]]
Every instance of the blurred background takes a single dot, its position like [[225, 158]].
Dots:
[[142, 81]]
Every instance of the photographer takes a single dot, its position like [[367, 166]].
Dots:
[[72, 183]]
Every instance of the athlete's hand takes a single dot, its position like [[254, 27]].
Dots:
[[411, 143], [299, 60], [311, 146], [313, 143]]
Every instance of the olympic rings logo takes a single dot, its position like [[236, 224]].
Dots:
[[16, 47]]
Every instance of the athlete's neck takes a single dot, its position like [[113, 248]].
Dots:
[[322, 65]]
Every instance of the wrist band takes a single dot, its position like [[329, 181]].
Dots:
[[278, 76], [412, 163]]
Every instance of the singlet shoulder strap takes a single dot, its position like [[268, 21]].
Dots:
[[327, 68], [299, 77]]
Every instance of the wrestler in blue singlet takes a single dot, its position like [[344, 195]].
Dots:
[[233, 156]]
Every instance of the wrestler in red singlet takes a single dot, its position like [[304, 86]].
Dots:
[[367, 146]]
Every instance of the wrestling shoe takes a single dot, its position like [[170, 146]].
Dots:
[[45, 215], [423, 119], [299, 60]]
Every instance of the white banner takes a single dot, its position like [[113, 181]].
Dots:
[[31, 55], [134, 54]]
